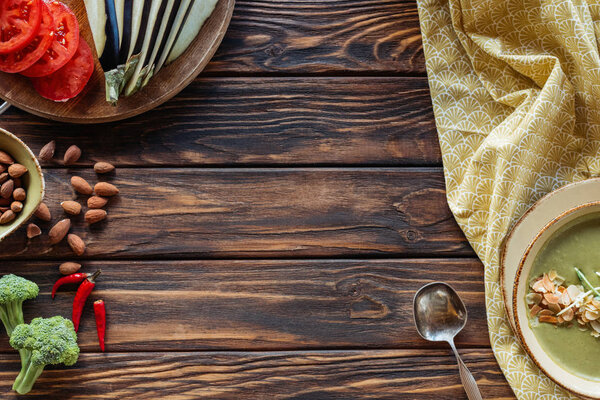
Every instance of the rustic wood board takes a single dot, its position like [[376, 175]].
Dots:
[[260, 212], [288, 304], [381, 374], [261, 121], [91, 106], [295, 145]]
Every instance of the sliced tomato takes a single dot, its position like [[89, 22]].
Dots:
[[19, 22], [20, 60], [70, 80], [64, 45]]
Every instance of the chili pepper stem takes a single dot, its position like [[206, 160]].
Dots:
[[95, 275]]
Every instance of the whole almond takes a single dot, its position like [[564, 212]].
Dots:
[[33, 230], [43, 212], [19, 194], [47, 152], [6, 190], [105, 189], [71, 207], [76, 244], [16, 206], [68, 268], [7, 217], [81, 185], [4, 177], [72, 155], [93, 216], [5, 158], [96, 202], [17, 170], [102, 167], [59, 231]]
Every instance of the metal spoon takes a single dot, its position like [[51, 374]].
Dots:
[[439, 315]]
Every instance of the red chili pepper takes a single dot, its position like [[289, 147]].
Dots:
[[81, 296], [100, 313], [73, 278]]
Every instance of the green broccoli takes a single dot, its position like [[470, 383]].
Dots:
[[14, 290], [45, 341]]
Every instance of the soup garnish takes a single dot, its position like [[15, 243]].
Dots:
[[551, 301]]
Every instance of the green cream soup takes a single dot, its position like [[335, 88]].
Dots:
[[577, 244]]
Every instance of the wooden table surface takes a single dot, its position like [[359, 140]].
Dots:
[[274, 222]]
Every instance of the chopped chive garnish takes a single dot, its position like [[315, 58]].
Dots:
[[585, 281]]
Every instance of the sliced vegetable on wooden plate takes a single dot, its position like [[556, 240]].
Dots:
[[133, 40]]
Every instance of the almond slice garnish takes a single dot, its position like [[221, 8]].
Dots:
[[554, 307], [565, 299], [546, 312], [534, 310], [568, 315], [549, 319], [539, 287], [551, 298], [548, 284]]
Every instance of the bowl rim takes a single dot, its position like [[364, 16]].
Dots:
[[518, 329], [38, 167]]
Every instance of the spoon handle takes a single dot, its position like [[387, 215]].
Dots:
[[466, 377]]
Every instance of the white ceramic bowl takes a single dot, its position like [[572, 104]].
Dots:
[[580, 386], [33, 181]]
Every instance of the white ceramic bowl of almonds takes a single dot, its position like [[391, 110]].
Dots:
[[32, 181]]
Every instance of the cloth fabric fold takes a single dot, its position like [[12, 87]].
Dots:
[[515, 87]]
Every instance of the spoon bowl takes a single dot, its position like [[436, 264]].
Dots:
[[439, 315], [439, 312]]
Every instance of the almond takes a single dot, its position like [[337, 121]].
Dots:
[[33, 230], [81, 185], [16, 206], [93, 216], [4, 177], [59, 231], [6, 189], [76, 244], [43, 212], [71, 207], [102, 167], [47, 152], [5, 158], [17, 170], [7, 217], [105, 189], [68, 268], [96, 202], [19, 194], [72, 155]]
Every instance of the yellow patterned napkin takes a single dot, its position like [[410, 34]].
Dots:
[[515, 86]]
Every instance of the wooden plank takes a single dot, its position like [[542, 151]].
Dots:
[[261, 121], [258, 213], [308, 37], [389, 374], [258, 305]]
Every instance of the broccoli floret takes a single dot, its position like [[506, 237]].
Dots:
[[44, 341], [14, 290]]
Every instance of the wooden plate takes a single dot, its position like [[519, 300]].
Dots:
[[91, 107]]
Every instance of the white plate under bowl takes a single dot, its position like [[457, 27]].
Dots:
[[531, 223], [554, 370]]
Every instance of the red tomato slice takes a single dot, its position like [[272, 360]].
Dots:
[[19, 22], [64, 45], [20, 60], [70, 80]]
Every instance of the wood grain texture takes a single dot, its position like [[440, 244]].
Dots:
[[259, 305], [261, 121], [311, 375], [257, 213], [328, 37], [90, 106]]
